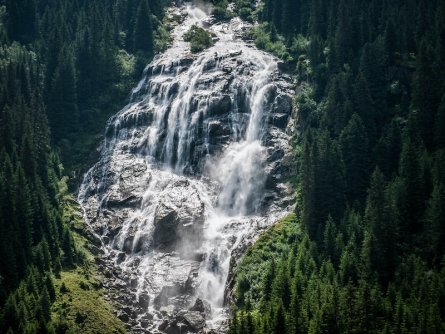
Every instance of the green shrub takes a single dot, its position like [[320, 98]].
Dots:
[[246, 14], [221, 13], [199, 39], [221, 10], [246, 10]]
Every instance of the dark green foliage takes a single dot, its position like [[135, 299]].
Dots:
[[370, 158], [220, 11], [68, 248], [439, 125], [426, 92], [143, 30], [290, 20], [344, 298], [435, 225], [22, 19], [30, 210], [355, 152], [63, 110], [324, 195]]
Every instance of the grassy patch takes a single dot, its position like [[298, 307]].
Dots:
[[80, 306], [272, 245]]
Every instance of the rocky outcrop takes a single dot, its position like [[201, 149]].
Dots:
[[198, 126], [184, 322], [179, 214]]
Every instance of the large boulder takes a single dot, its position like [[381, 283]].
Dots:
[[186, 322], [144, 301], [166, 223], [279, 120], [178, 215], [283, 104], [203, 307], [194, 320]]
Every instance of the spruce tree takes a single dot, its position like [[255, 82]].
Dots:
[[68, 248], [45, 304], [435, 224], [290, 22], [143, 30], [426, 96], [411, 172], [279, 319], [268, 10], [390, 40], [355, 152], [439, 126], [277, 16], [62, 104]]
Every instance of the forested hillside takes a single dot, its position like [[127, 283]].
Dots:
[[90, 54], [370, 163], [364, 251], [64, 66]]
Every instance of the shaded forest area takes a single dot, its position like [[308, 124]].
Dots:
[[64, 67], [90, 54], [370, 165]]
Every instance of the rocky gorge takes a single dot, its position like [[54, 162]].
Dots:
[[191, 171]]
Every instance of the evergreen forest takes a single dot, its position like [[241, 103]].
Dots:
[[364, 249]]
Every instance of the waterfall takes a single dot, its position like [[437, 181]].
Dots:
[[191, 171]]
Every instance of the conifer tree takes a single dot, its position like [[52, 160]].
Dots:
[[291, 22], [143, 30], [67, 247], [439, 126], [62, 104], [355, 152], [411, 171], [268, 10], [45, 304], [279, 319], [435, 224], [426, 96], [390, 40], [277, 15]]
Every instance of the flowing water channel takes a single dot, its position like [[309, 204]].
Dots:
[[190, 172]]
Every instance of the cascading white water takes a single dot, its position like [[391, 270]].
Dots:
[[191, 171]]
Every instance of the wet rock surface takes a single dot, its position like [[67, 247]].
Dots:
[[179, 214], [191, 172]]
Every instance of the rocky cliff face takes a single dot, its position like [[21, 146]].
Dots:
[[191, 171]]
